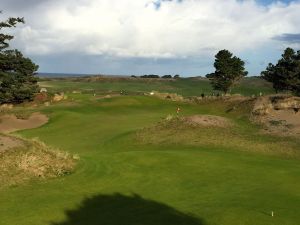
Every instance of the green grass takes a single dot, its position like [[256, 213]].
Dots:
[[158, 183], [186, 87]]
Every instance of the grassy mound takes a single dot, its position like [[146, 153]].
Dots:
[[32, 160], [213, 132]]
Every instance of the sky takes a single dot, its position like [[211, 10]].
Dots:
[[126, 37]]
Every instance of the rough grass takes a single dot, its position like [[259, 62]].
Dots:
[[176, 132], [32, 161]]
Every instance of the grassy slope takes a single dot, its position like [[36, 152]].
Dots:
[[32, 160], [221, 186]]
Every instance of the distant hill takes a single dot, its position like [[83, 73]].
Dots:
[[49, 75]]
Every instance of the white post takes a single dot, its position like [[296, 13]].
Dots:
[[272, 214]]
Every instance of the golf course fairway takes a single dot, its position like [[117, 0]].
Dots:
[[239, 177]]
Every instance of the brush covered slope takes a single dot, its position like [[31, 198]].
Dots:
[[24, 160]]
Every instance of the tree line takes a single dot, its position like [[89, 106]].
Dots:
[[284, 75], [157, 76]]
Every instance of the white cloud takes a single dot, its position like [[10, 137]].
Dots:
[[135, 28]]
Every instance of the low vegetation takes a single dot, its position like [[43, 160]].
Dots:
[[23, 160]]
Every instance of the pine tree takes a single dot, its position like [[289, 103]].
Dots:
[[229, 70], [285, 75], [17, 80]]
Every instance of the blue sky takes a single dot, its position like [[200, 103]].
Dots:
[[152, 36], [267, 2]]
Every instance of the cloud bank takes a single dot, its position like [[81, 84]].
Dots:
[[160, 29]]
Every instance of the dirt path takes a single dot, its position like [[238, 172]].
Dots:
[[10, 123]]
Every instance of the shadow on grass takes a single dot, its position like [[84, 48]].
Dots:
[[119, 209]]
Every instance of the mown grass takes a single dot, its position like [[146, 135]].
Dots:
[[221, 182]]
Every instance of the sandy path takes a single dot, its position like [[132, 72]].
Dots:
[[10, 123]]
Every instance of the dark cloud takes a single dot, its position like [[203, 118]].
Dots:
[[67, 42], [288, 37], [105, 64]]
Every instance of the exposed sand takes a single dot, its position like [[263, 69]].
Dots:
[[290, 116], [280, 115], [7, 143], [10, 123], [283, 122], [207, 121]]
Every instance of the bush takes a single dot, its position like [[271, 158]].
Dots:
[[150, 76]]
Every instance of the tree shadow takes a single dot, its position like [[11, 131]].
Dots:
[[119, 209]]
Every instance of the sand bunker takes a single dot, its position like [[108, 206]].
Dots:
[[282, 122], [7, 143], [279, 114], [290, 116], [10, 123], [207, 121]]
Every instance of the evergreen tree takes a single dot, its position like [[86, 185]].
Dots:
[[285, 75], [17, 80], [229, 70]]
